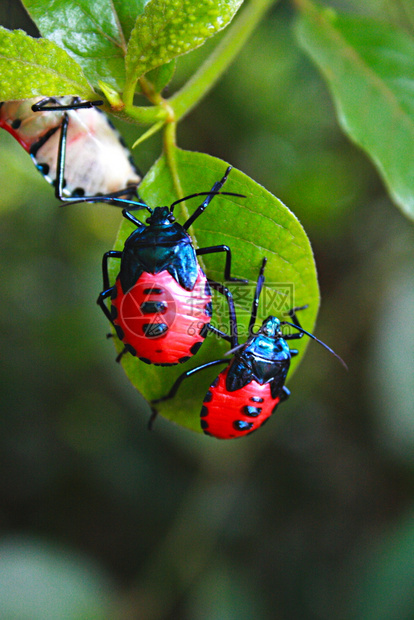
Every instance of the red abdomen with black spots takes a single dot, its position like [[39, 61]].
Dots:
[[228, 415], [158, 320]]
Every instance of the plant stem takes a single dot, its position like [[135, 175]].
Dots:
[[160, 111], [212, 69], [170, 146], [144, 115], [129, 91], [198, 86]]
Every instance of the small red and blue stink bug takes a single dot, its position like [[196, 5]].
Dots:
[[73, 144], [161, 300], [248, 391]]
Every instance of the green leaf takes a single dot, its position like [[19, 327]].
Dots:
[[30, 67], [369, 67], [94, 33], [256, 226], [170, 28], [127, 12], [162, 75]]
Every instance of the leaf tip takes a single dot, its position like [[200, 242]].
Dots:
[[113, 97]]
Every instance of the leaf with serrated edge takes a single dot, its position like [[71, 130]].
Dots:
[[169, 28], [369, 67], [94, 33], [30, 67], [256, 226]]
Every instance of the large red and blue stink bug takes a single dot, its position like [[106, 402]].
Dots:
[[161, 300], [248, 391], [73, 144]]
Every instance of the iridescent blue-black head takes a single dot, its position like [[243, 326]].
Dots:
[[161, 216], [271, 327]]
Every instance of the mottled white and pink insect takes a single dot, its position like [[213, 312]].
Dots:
[[73, 144]]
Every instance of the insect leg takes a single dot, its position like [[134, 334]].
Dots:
[[107, 288], [284, 394], [51, 104], [227, 268], [101, 302], [177, 384], [233, 338], [60, 176], [106, 257], [184, 375]]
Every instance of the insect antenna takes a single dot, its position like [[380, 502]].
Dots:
[[255, 305], [204, 194], [317, 340], [234, 349], [139, 205], [114, 200]]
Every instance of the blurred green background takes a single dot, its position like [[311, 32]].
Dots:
[[310, 518]]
